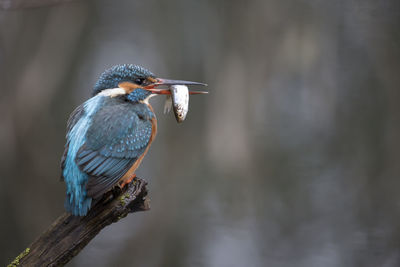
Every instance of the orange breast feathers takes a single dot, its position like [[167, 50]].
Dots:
[[131, 172]]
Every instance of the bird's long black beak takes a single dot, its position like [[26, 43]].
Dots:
[[173, 82], [161, 82]]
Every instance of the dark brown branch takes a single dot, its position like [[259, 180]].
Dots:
[[69, 234]]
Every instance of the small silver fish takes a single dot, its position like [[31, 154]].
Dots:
[[180, 101]]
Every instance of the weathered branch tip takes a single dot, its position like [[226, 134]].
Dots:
[[69, 234]]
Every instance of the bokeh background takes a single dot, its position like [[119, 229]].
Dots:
[[291, 160]]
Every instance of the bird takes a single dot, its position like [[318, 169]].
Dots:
[[109, 134]]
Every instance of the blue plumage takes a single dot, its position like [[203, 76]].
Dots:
[[105, 137], [76, 180], [109, 134], [137, 95], [120, 73]]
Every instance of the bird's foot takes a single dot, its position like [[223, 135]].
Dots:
[[122, 184], [116, 190]]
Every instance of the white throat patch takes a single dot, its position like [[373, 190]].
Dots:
[[113, 92], [146, 100]]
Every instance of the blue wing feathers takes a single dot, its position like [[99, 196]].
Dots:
[[76, 201], [105, 137], [87, 157], [107, 164]]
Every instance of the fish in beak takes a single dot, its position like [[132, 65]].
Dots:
[[177, 93]]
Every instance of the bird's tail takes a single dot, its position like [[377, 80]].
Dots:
[[78, 207]]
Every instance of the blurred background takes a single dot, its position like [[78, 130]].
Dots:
[[291, 160]]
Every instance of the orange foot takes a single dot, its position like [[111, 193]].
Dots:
[[126, 181]]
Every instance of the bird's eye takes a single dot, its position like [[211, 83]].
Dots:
[[139, 81]]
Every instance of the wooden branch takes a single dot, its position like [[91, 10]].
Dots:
[[69, 234]]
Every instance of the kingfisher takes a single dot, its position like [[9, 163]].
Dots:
[[109, 134]]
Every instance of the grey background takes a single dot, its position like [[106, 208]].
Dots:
[[291, 160]]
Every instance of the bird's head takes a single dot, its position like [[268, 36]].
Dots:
[[135, 83]]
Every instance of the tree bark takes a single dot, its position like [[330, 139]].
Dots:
[[69, 234]]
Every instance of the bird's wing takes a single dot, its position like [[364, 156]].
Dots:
[[73, 119], [118, 136]]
